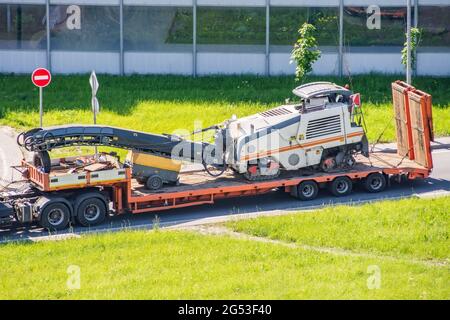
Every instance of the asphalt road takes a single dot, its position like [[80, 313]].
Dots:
[[10, 155], [270, 204]]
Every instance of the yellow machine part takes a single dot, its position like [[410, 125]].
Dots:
[[149, 160]]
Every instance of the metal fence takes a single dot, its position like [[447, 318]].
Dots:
[[217, 36]]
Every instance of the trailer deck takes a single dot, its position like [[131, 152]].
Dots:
[[191, 180]]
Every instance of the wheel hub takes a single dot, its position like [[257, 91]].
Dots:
[[376, 183], [55, 217], [342, 187], [307, 191], [92, 212]]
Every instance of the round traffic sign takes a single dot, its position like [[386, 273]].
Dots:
[[41, 77]]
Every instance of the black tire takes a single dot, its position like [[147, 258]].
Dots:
[[154, 183], [307, 190], [42, 159], [91, 212], [375, 182], [55, 216], [341, 186]]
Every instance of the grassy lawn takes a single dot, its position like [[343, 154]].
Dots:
[[181, 265], [187, 265], [412, 228], [163, 104]]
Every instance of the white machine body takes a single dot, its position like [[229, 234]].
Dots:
[[295, 136]]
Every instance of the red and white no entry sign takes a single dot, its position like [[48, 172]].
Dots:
[[41, 77]]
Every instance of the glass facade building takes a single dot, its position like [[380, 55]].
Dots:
[[196, 37]]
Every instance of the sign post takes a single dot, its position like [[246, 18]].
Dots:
[[94, 102], [41, 78]]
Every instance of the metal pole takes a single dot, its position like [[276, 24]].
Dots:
[[8, 18], [121, 62], [41, 108], [341, 37], [194, 38], [416, 24], [267, 37], [408, 41], [47, 29], [416, 13], [95, 122], [95, 148]]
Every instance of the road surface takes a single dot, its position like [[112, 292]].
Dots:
[[10, 155], [268, 204]]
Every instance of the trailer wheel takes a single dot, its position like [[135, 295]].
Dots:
[[375, 182], [307, 190], [154, 182], [341, 186], [55, 216], [91, 212]]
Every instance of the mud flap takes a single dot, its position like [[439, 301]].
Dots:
[[365, 146]]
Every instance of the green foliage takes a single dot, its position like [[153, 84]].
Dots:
[[305, 51], [416, 35], [284, 24], [240, 26]]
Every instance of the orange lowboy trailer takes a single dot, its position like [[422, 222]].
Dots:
[[116, 192]]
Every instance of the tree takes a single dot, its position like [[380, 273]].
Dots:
[[416, 35], [305, 51]]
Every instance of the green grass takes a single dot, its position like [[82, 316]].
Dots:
[[163, 104], [406, 240], [181, 265], [412, 228]]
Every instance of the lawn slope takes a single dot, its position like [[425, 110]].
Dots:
[[412, 228], [406, 244]]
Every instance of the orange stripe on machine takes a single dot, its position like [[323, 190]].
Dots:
[[300, 146]]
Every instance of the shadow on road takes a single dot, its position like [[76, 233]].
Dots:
[[276, 201]]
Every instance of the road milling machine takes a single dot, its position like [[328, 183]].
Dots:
[[320, 131]]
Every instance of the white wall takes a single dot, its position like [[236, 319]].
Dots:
[[364, 62], [22, 61], [231, 63], [280, 64], [25, 61], [158, 63], [84, 62], [430, 63]]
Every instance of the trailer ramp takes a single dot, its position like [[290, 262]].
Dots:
[[414, 123]]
